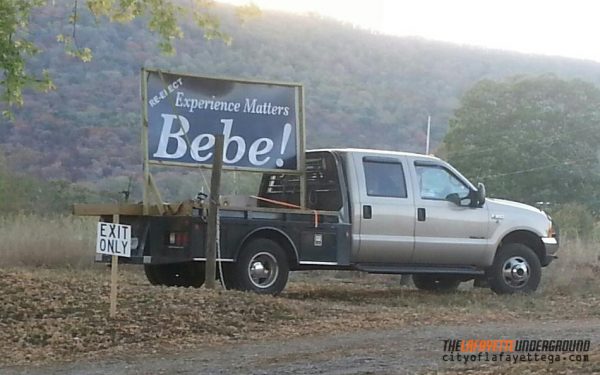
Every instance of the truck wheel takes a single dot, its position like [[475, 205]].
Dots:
[[192, 274], [229, 276], [436, 283], [516, 269], [189, 274], [153, 274], [262, 268]]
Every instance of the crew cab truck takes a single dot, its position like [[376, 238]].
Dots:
[[374, 211]]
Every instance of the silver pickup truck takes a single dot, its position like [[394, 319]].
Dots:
[[374, 211]]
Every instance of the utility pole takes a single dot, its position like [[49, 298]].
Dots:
[[428, 134]]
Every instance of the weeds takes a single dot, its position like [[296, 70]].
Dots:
[[575, 269], [69, 241], [55, 241]]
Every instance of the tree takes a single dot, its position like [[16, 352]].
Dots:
[[530, 138], [163, 17]]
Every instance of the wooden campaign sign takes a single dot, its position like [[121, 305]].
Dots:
[[262, 122], [261, 125], [114, 239]]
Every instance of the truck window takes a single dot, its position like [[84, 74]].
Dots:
[[384, 179], [436, 182]]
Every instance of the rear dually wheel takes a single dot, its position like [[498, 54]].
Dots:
[[436, 283], [262, 267], [188, 274]]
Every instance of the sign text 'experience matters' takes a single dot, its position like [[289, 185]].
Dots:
[[259, 121]]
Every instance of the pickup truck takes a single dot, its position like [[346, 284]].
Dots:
[[375, 211]]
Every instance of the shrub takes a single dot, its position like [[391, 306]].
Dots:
[[574, 221]]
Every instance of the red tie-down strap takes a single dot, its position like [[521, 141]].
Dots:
[[286, 204]]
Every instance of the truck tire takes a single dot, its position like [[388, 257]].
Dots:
[[153, 274], [435, 283], [229, 280], [516, 269], [262, 267], [189, 274], [192, 274]]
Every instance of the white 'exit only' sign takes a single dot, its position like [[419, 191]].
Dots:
[[114, 239]]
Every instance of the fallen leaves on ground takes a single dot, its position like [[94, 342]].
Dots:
[[48, 315]]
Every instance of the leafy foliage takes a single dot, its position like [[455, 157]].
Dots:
[[530, 139], [17, 45], [30, 195], [15, 48]]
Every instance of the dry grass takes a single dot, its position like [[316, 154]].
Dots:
[[55, 241], [576, 269], [61, 313], [30, 240]]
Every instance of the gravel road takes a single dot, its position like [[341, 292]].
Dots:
[[392, 351]]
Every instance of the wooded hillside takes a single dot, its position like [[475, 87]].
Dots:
[[362, 89]]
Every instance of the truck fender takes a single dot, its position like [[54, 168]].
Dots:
[[274, 234], [525, 237]]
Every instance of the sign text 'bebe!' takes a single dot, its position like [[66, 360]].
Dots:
[[260, 121]]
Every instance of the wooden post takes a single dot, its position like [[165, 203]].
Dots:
[[144, 141], [302, 146], [213, 211], [114, 278]]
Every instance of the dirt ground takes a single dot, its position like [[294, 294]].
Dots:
[[55, 322], [392, 351]]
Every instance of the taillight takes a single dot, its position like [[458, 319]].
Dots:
[[179, 238]]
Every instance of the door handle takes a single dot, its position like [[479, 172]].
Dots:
[[367, 212], [420, 214]]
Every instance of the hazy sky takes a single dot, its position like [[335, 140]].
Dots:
[[564, 28]]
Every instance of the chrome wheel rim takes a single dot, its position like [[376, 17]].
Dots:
[[263, 270], [516, 272]]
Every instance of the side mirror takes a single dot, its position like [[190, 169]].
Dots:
[[480, 194], [454, 198]]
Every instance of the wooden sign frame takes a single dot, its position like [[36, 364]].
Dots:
[[151, 192]]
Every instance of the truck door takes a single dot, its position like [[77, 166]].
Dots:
[[386, 233], [446, 233]]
